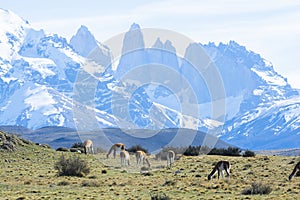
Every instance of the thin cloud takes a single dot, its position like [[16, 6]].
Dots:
[[216, 7]]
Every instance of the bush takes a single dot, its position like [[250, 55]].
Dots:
[[136, 148], [63, 149], [204, 150], [248, 153], [63, 183], [73, 166], [230, 151], [257, 188], [90, 184], [192, 151], [159, 196], [77, 145], [76, 150], [247, 166], [291, 162], [169, 183]]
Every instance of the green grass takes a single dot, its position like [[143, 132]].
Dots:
[[29, 173]]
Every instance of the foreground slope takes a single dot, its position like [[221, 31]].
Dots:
[[28, 173]]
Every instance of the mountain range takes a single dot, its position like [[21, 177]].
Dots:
[[48, 81]]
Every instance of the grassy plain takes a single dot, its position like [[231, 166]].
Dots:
[[29, 173]]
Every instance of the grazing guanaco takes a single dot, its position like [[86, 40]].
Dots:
[[114, 148], [125, 158], [170, 158], [220, 166], [88, 147], [141, 156], [296, 168]]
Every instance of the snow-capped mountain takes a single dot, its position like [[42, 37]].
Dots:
[[268, 115], [47, 81], [267, 126]]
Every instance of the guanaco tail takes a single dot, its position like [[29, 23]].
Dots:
[[220, 166]]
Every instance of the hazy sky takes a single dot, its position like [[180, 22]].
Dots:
[[270, 27]]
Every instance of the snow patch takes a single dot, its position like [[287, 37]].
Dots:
[[270, 77], [39, 99], [212, 123], [258, 92], [41, 65]]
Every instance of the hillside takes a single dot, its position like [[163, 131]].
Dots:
[[28, 173]]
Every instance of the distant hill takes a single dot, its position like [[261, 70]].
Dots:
[[65, 137], [279, 152]]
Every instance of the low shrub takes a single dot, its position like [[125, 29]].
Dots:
[[20, 198], [63, 149], [63, 183], [169, 183], [230, 151], [257, 188], [90, 184], [291, 162], [159, 196], [248, 153], [73, 166], [76, 150], [77, 145], [192, 151], [266, 158], [136, 148], [247, 166]]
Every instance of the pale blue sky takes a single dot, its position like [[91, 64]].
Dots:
[[270, 27]]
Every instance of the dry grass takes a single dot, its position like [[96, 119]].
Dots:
[[29, 173]]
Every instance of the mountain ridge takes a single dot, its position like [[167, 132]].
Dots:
[[39, 73]]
